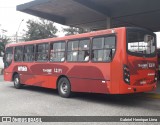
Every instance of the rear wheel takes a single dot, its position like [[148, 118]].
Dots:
[[64, 87], [16, 82]]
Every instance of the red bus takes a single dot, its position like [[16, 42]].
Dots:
[[113, 61]]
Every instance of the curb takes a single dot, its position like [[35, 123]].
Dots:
[[156, 94], [152, 95]]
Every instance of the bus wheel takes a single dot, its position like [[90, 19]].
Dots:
[[16, 81], [64, 88]]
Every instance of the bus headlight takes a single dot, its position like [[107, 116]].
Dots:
[[156, 76]]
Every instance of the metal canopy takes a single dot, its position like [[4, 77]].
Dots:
[[96, 14]]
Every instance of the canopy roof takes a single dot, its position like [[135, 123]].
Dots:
[[95, 14]]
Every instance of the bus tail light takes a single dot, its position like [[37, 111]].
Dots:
[[156, 77], [126, 74]]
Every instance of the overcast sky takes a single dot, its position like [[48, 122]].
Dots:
[[10, 19]]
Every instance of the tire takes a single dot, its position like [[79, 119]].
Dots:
[[64, 88], [16, 82]]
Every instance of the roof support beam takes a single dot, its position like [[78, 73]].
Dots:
[[94, 7]]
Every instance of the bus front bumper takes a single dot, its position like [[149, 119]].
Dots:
[[7, 76]]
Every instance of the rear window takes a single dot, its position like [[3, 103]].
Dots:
[[141, 43]]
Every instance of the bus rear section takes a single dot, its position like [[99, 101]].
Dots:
[[140, 67]]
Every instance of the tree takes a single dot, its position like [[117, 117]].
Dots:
[[74, 30], [40, 29], [3, 42]]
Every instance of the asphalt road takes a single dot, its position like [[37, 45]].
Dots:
[[1, 78], [35, 101]]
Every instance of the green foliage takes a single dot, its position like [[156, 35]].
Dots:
[[74, 30], [40, 29], [3, 42]]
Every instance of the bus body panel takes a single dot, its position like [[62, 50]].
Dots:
[[118, 61], [8, 72], [84, 78], [142, 80], [8, 76], [89, 78], [142, 73]]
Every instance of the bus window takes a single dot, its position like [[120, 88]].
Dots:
[[140, 43], [18, 54], [78, 50], [72, 54], [28, 53], [103, 48], [110, 43], [42, 52], [8, 56], [57, 52], [83, 54]]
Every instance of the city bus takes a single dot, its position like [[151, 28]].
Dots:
[[112, 61]]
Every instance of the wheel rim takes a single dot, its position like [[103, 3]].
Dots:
[[64, 87], [16, 81]]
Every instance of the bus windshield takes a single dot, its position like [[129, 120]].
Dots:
[[141, 43], [8, 56]]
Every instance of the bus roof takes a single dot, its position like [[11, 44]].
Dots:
[[84, 35]]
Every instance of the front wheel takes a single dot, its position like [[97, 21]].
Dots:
[[16, 82], [64, 88]]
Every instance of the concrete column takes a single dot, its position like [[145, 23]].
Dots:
[[108, 22]]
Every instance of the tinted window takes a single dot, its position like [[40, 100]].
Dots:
[[28, 53], [83, 54], [73, 45], [18, 54], [42, 52], [78, 50], [57, 52], [141, 43], [8, 56], [72, 54], [103, 48]]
